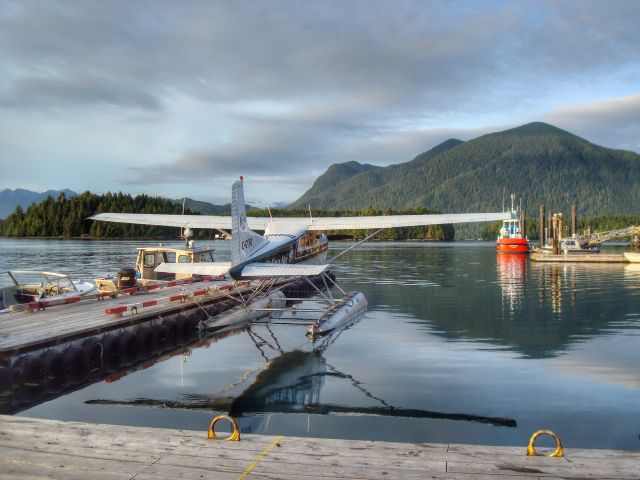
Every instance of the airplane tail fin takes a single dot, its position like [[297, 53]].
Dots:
[[244, 241]]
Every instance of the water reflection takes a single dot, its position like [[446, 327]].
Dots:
[[448, 331], [512, 273]]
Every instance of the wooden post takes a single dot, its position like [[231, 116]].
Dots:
[[541, 225], [574, 220], [550, 230], [523, 223]]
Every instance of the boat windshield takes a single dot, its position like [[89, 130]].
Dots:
[[44, 279]]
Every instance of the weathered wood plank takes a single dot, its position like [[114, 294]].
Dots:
[[37, 448]]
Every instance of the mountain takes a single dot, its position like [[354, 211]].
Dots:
[[206, 208], [538, 162], [10, 199]]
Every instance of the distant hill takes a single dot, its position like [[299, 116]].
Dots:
[[206, 208], [10, 199], [538, 162]]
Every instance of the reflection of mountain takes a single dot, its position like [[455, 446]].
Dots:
[[457, 294]]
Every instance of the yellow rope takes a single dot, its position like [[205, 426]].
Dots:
[[260, 457]]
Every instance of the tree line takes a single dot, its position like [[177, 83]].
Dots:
[[67, 218]]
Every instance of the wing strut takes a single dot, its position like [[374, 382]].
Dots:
[[357, 244]]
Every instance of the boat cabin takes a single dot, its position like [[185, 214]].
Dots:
[[148, 258]]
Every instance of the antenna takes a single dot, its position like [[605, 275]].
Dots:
[[184, 199], [310, 216]]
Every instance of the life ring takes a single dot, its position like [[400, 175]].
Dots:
[[55, 368], [95, 354], [147, 341], [77, 361], [112, 349], [130, 347]]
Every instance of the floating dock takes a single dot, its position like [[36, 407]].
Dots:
[[579, 258], [36, 449]]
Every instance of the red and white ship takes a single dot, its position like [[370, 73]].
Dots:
[[511, 238]]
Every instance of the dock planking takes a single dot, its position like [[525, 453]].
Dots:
[[27, 330], [38, 448]]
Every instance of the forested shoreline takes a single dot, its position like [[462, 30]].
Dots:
[[67, 218]]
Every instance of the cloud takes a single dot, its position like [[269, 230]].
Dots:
[[613, 122], [228, 88]]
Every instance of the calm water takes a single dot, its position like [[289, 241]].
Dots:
[[454, 339]]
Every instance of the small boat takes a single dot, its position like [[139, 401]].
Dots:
[[511, 238], [37, 286], [147, 259], [571, 246]]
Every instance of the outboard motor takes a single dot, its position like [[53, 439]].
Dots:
[[126, 278]]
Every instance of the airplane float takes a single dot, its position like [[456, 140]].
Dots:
[[290, 247]]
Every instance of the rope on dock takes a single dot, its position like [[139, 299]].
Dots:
[[261, 456]]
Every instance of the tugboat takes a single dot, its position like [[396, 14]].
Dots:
[[511, 238]]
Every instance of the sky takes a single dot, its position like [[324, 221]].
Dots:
[[180, 98]]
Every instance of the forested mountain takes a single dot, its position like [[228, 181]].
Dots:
[[66, 217], [10, 199], [206, 208], [537, 161]]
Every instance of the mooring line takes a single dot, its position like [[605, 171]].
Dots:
[[260, 457]]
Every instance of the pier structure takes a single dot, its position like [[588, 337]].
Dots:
[[37, 449], [46, 350]]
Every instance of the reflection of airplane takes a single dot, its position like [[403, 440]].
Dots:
[[291, 382], [287, 242]]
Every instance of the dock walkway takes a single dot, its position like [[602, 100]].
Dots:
[[579, 258], [24, 330], [36, 449]]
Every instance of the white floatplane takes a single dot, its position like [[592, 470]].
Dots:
[[290, 247]]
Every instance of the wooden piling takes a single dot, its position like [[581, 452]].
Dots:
[[523, 223], [541, 226], [574, 220]]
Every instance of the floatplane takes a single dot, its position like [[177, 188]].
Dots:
[[290, 247]]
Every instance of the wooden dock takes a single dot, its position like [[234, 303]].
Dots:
[[579, 258], [37, 449], [33, 329]]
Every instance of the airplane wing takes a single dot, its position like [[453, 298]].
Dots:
[[200, 268], [393, 221], [183, 221], [317, 223], [270, 270]]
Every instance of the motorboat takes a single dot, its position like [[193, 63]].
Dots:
[[147, 259], [571, 246], [38, 286], [511, 238]]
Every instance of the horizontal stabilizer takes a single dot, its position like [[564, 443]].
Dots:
[[201, 268], [270, 270]]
